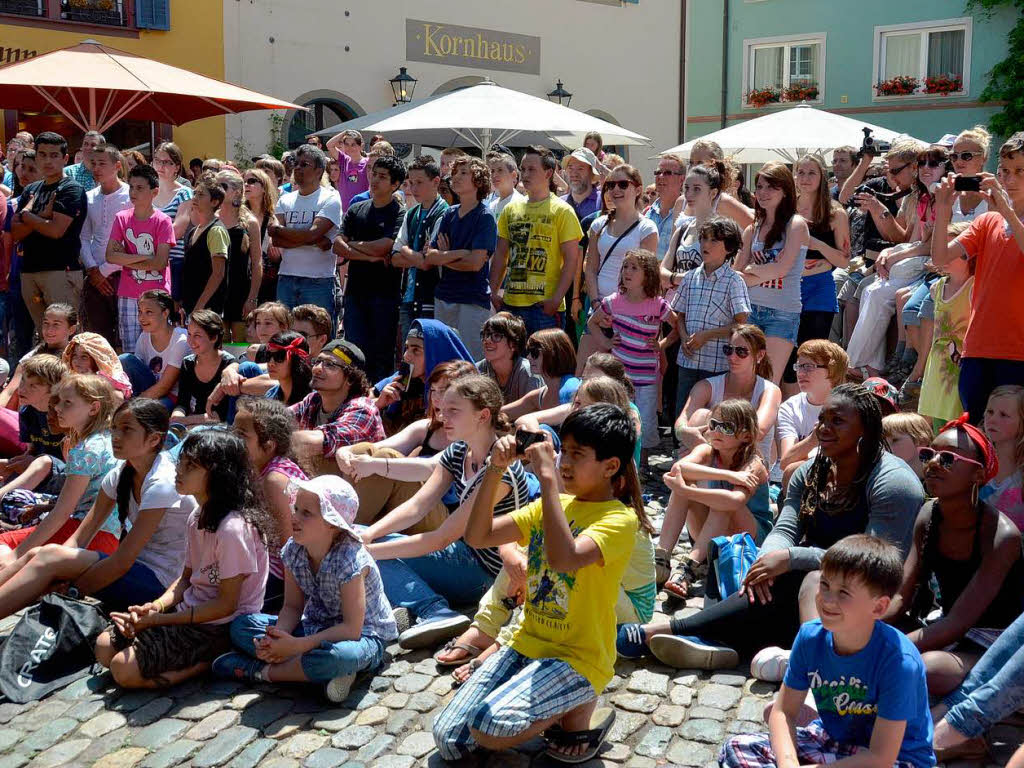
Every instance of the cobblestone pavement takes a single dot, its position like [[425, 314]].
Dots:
[[664, 717]]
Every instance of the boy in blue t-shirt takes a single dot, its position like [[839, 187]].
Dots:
[[867, 678]]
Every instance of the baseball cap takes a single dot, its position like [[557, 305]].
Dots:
[[346, 351], [584, 155]]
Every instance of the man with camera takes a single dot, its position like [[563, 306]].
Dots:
[[876, 203]]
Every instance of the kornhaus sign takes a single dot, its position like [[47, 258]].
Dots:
[[436, 43]]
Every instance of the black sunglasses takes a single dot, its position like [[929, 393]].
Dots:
[[669, 173], [534, 352], [279, 356], [493, 336], [901, 169], [729, 350], [620, 183]]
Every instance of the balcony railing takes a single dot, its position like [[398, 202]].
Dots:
[[35, 8]]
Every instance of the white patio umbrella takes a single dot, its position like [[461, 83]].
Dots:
[[484, 115], [788, 134]]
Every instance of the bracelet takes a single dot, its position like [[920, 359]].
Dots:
[[499, 471], [160, 605]]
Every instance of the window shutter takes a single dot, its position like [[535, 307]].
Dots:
[[153, 14]]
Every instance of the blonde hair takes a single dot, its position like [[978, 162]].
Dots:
[[92, 389], [906, 150], [281, 314], [741, 414], [979, 135], [1016, 392], [233, 179], [913, 425], [269, 201], [612, 160], [604, 389]]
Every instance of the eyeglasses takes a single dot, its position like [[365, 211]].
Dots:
[[252, 181], [492, 336], [806, 367], [727, 429], [164, 162], [729, 350], [669, 173], [964, 156], [533, 352], [946, 458], [932, 162], [337, 366], [620, 183]]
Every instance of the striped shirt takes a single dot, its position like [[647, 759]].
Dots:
[[709, 301], [171, 209], [638, 324], [288, 468], [453, 459]]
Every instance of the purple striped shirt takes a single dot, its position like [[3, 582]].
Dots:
[[637, 324]]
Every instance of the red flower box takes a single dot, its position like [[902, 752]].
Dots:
[[759, 97], [901, 85], [801, 92], [943, 84]]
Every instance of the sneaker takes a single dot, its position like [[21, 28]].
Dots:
[[769, 664], [338, 688], [429, 634], [684, 652], [630, 641], [403, 619], [238, 666]]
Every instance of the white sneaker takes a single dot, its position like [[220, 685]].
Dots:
[[770, 664], [429, 634], [339, 687]]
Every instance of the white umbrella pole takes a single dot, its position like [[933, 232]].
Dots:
[[486, 142]]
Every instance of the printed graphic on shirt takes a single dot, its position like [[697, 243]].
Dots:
[[144, 246], [843, 696], [548, 590], [156, 365], [768, 256], [212, 572], [529, 260]]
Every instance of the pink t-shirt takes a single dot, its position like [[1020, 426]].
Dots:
[[142, 237], [235, 549], [637, 324]]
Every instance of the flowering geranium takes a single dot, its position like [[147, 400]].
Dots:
[[901, 85], [944, 84], [758, 97], [801, 92]]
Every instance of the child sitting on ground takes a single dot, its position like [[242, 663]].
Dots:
[[335, 621], [60, 323], [41, 466], [176, 636], [92, 353], [718, 489], [562, 656], [867, 678], [1004, 425], [906, 433]]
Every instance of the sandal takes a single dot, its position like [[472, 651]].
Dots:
[[473, 665], [681, 582], [471, 653], [662, 566], [556, 737]]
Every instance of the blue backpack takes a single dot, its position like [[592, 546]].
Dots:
[[729, 558]]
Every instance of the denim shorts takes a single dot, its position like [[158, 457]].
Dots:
[[776, 323], [138, 586]]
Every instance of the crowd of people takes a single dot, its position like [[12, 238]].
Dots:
[[275, 418]]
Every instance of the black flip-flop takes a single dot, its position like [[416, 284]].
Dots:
[[555, 736]]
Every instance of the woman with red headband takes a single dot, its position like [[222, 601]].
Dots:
[[973, 552], [288, 365]]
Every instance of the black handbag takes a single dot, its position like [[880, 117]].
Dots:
[[51, 647]]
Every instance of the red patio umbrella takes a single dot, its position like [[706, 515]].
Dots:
[[94, 86]]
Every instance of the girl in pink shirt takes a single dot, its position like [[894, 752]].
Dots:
[[176, 636]]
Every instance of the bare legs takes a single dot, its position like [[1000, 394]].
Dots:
[[124, 667], [779, 351], [37, 571]]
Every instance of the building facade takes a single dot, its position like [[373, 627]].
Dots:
[[185, 33], [915, 66], [619, 60]]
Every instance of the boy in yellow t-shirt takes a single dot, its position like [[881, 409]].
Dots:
[[579, 543]]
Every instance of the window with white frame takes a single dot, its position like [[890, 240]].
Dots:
[[939, 49], [779, 64]]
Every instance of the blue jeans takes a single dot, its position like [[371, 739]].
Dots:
[[688, 378], [247, 370], [776, 323], [136, 587], [979, 376], [327, 661], [141, 377], [371, 323], [293, 291], [913, 310], [535, 318], [994, 689], [425, 585]]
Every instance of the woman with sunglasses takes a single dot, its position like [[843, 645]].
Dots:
[[897, 267], [853, 485], [288, 365], [261, 200], [504, 338], [969, 549], [748, 378], [553, 359], [772, 261]]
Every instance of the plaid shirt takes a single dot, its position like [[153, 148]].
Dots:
[[80, 173], [354, 421], [709, 301]]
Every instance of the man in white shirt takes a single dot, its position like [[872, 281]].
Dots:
[[307, 222], [99, 291], [504, 177]]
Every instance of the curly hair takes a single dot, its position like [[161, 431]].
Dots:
[[870, 448], [478, 171], [647, 263], [231, 481], [272, 421]]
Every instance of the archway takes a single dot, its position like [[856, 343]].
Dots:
[[325, 108], [458, 84]]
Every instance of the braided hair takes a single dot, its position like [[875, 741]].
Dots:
[[870, 448], [153, 417]]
